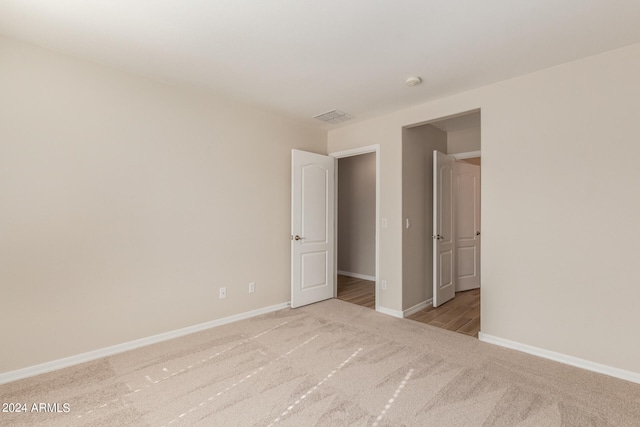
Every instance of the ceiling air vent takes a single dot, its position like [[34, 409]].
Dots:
[[333, 116]]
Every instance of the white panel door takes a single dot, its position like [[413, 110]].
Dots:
[[443, 229], [312, 233], [467, 225]]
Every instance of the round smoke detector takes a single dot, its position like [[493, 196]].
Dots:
[[413, 81]]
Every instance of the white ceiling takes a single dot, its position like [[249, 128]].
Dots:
[[302, 58]]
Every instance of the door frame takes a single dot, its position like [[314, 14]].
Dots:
[[349, 153], [467, 155]]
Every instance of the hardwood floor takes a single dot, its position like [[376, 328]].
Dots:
[[357, 291], [461, 314]]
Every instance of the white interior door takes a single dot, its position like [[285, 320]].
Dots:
[[467, 225], [443, 229], [312, 233]]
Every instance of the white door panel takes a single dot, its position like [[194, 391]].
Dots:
[[443, 229], [312, 233], [314, 203], [313, 270]]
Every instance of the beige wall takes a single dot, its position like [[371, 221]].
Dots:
[[463, 140], [125, 204], [559, 204], [357, 214], [418, 144]]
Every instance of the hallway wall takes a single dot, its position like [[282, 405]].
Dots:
[[418, 144], [357, 215]]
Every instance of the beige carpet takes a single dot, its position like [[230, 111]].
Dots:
[[328, 364]]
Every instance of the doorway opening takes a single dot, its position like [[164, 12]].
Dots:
[[441, 233], [357, 208]]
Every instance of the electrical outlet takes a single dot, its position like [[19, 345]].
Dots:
[[223, 293], [384, 285], [252, 287]]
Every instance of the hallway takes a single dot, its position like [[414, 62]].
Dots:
[[461, 314]]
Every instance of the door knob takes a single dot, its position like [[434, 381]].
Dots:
[[296, 237], [477, 233]]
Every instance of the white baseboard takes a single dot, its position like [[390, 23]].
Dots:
[[120, 348], [407, 312], [562, 358], [416, 308], [357, 275], [390, 312]]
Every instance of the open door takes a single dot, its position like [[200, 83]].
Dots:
[[467, 225], [312, 233], [443, 229]]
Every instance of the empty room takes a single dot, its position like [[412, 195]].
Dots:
[[186, 188]]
